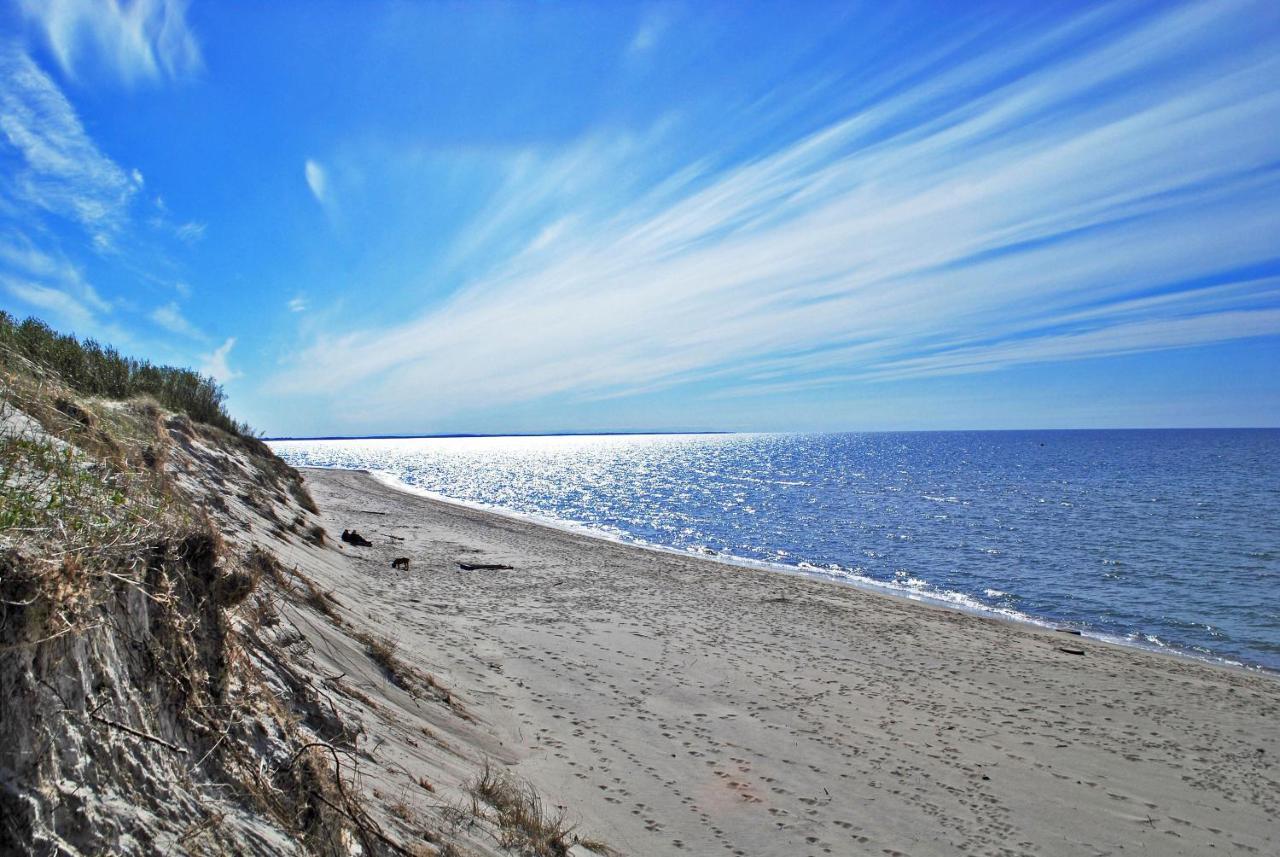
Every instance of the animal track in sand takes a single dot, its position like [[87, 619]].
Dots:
[[933, 792]]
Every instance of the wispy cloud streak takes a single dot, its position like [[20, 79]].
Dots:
[[51, 284], [1074, 208], [51, 162], [135, 39], [61, 194]]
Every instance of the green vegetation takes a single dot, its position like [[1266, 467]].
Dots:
[[125, 616], [97, 370], [53, 491]]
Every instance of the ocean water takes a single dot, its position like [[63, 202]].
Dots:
[[1166, 539]]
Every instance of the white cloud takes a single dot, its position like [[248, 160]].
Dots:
[[63, 306], [934, 232], [316, 180], [298, 303], [170, 317], [652, 27], [60, 169], [549, 234], [18, 251], [69, 306], [135, 39], [320, 183], [214, 364], [21, 255], [190, 232], [53, 174]]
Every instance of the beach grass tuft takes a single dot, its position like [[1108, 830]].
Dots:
[[525, 823]]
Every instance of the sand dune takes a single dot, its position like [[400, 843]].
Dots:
[[681, 706]]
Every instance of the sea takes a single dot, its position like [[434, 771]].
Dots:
[[1164, 539]]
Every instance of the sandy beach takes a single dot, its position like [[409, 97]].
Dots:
[[675, 705]]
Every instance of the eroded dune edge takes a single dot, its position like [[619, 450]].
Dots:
[[186, 662]]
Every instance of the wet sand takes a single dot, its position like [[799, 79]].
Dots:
[[682, 706]]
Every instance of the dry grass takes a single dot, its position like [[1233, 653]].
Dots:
[[525, 824], [56, 493], [264, 610], [303, 496], [294, 583], [383, 652], [95, 506], [97, 530], [357, 694]]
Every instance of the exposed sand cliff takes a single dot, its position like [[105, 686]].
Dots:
[[174, 679]]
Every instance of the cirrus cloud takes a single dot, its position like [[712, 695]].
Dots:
[[1039, 204], [137, 40], [51, 161]]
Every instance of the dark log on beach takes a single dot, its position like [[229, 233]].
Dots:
[[481, 566]]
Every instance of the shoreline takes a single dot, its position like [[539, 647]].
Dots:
[[868, 585], [675, 705]]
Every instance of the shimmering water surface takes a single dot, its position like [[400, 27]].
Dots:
[[1161, 538]]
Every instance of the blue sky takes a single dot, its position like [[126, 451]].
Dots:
[[516, 217]]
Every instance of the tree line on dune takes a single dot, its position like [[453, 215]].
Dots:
[[98, 370]]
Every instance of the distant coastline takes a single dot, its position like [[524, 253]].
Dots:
[[516, 434], [663, 432]]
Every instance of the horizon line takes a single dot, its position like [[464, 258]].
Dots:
[[644, 432]]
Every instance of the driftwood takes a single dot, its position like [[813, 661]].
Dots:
[[137, 733], [483, 566]]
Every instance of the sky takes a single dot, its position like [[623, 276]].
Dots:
[[436, 217]]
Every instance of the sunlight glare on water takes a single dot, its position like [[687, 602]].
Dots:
[[1159, 538]]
